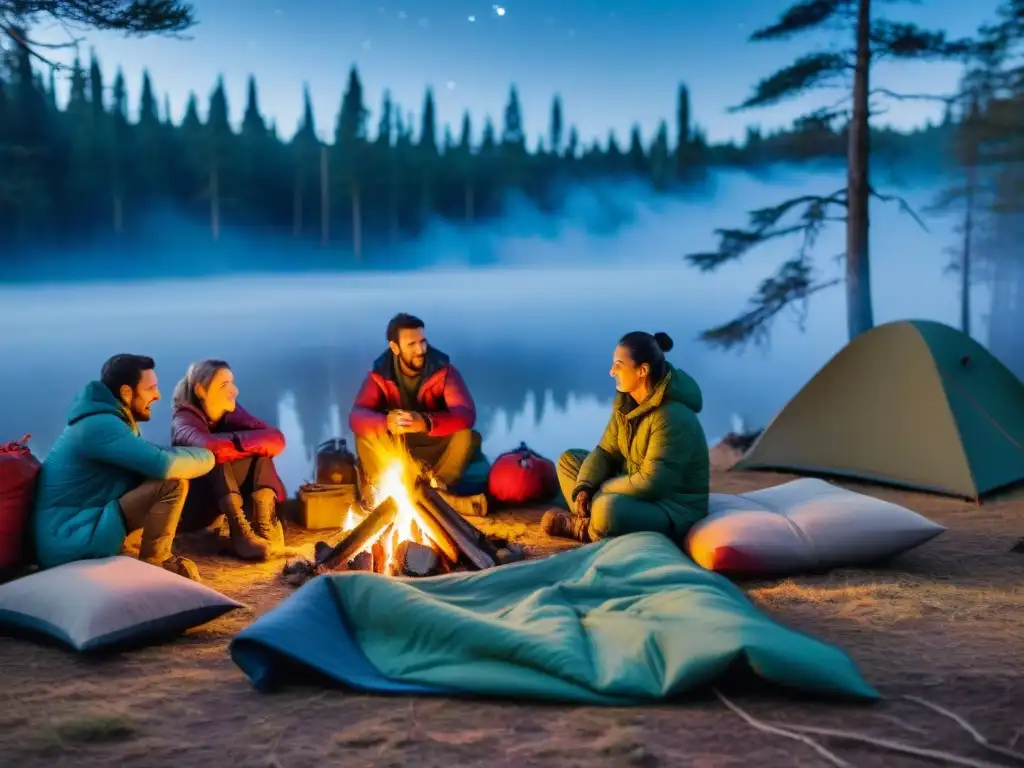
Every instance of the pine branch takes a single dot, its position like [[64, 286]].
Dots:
[[904, 206], [793, 284], [131, 17], [764, 225], [898, 40], [811, 71], [941, 98], [802, 17]]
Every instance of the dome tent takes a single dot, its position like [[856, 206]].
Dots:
[[911, 403]]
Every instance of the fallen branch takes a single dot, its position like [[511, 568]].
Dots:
[[777, 731], [896, 746], [973, 732]]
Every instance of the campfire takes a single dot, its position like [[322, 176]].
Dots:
[[408, 527]]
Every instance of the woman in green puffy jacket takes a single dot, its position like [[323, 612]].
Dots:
[[650, 472]]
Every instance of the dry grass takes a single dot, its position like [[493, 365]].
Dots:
[[944, 623]]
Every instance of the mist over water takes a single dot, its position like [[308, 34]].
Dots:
[[529, 309]]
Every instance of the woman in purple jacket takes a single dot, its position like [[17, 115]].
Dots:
[[206, 415]]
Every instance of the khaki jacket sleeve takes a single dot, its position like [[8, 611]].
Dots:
[[602, 462]]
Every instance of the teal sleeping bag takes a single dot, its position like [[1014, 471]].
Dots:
[[630, 620]]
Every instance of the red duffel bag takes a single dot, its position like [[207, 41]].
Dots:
[[18, 472], [522, 477]]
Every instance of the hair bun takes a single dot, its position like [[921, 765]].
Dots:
[[664, 341]]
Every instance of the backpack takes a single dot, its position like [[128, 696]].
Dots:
[[19, 470], [522, 477]]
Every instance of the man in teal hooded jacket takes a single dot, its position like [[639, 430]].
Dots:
[[102, 480]]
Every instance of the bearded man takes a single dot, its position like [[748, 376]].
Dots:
[[415, 397]]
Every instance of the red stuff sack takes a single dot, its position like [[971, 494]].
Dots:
[[522, 477], [18, 472]]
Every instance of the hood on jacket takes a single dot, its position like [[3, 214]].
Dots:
[[96, 399], [683, 388], [677, 386]]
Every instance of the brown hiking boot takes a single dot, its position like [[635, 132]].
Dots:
[[265, 522], [181, 566], [244, 541], [565, 526]]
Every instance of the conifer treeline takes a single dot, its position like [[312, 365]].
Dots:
[[87, 170]]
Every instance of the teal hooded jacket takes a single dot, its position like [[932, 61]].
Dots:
[[98, 458]]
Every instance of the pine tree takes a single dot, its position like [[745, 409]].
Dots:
[[218, 136], [795, 281], [464, 153], [151, 171], [77, 119], [305, 147], [427, 158], [661, 166], [637, 155], [556, 128], [684, 155], [119, 131], [349, 140]]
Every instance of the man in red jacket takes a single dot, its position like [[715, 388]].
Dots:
[[414, 395]]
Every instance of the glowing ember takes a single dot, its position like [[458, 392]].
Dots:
[[395, 483]]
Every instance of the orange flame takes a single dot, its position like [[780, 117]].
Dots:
[[395, 483]]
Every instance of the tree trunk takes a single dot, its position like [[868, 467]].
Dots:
[[859, 310], [215, 202], [357, 220], [1005, 309], [470, 202], [325, 200], [965, 256], [118, 211], [297, 204], [393, 206]]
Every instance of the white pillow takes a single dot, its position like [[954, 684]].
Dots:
[[116, 601], [803, 525]]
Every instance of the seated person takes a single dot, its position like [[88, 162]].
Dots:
[[414, 395], [102, 481], [207, 415], [650, 472]]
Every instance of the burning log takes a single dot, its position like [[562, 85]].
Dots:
[[416, 559], [470, 541], [436, 533], [359, 536], [467, 506], [361, 562]]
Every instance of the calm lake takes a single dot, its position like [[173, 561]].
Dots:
[[533, 336]]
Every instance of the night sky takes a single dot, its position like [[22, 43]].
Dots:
[[615, 62]]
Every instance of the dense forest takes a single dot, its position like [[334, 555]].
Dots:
[[91, 167]]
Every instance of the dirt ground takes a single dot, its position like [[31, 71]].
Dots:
[[943, 623]]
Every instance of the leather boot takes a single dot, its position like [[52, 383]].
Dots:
[[246, 544], [181, 566], [265, 522], [565, 525]]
